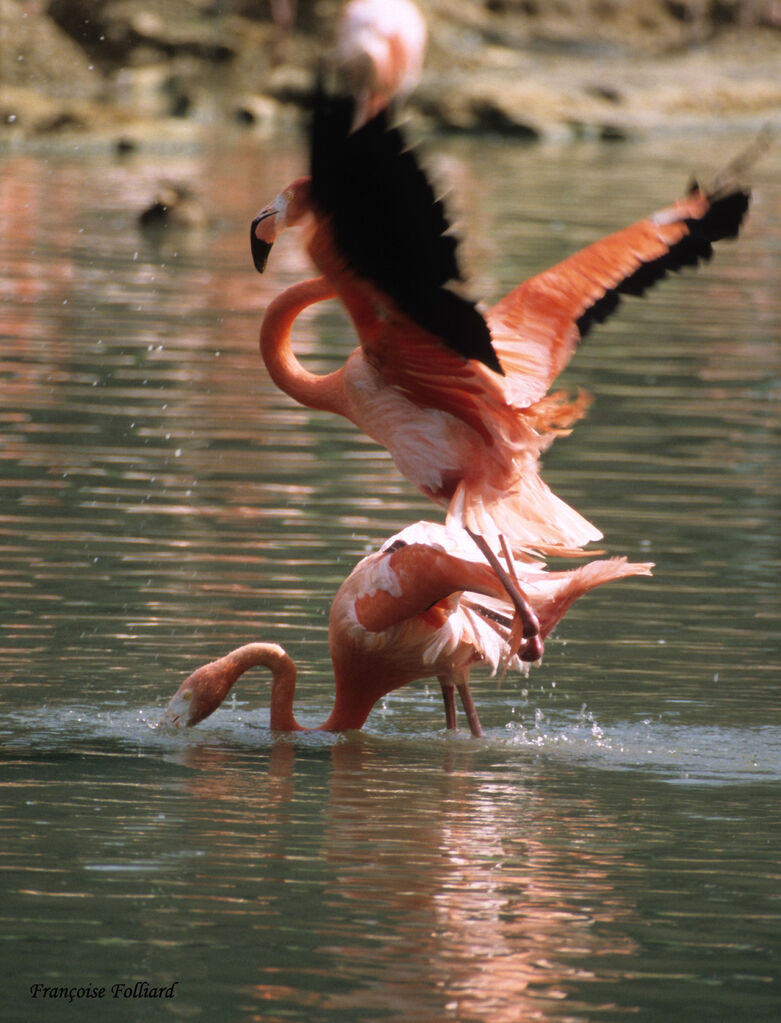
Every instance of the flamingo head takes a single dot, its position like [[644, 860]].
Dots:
[[288, 209], [199, 695]]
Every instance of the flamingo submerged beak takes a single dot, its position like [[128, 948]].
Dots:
[[200, 694], [177, 713]]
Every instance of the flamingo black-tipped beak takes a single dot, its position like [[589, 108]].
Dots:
[[260, 249]]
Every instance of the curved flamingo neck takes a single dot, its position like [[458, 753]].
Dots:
[[319, 392], [351, 708], [202, 692], [228, 669], [283, 679], [283, 686], [351, 705]]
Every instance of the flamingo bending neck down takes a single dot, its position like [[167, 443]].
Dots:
[[425, 606]]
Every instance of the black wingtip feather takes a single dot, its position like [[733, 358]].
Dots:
[[722, 220], [389, 225]]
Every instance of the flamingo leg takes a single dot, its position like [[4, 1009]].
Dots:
[[532, 650], [449, 697], [469, 708]]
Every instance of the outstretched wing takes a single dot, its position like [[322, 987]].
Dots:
[[537, 327]]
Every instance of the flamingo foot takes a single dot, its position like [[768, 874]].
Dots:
[[531, 650]]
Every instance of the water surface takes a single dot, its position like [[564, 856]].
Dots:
[[609, 850]]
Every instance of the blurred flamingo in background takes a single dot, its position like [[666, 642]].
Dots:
[[380, 46], [283, 15], [426, 605]]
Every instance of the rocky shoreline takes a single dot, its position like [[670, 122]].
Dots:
[[514, 67]]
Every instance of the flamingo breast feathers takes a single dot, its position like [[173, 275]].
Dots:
[[430, 447]]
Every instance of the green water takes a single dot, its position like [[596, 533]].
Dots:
[[610, 850]]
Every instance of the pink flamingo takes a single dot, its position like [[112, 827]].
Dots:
[[425, 606]]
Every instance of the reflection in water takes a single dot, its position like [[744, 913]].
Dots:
[[501, 902], [496, 916]]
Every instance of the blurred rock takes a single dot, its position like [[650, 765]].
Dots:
[[36, 53], [524, 68], [119, 32]]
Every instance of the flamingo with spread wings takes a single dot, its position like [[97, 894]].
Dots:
[[427, 605], [461, 399]]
